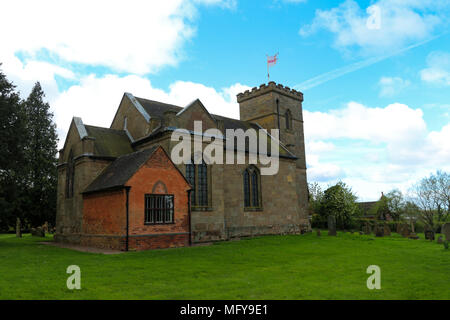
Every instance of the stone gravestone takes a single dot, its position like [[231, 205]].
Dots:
[[379, 231], [331, 225], [439, 240], [445, 230], [429, 233], [38, 232], [403, 229], [318, 232], [367, 229], [387, 230]]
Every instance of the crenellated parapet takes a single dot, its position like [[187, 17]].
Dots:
[[266, 88]]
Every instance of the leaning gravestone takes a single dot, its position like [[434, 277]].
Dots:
[[331, 225], [445, 230]]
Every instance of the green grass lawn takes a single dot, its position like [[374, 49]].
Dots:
[[272, 267]]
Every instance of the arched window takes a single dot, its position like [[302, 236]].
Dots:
[[197, 175], [246, 189], [70, 175], [190, 176], [288, 118], [202, 184], [252, 188]]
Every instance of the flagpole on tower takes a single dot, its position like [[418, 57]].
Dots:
[[271, 60]]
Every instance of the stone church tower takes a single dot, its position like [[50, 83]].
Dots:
[[274, 106]]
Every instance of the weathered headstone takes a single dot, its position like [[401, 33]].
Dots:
[[387, 230], [331, 225], [318, 232], [429, 234], [379, 231], [367, 229], [440, 240], [403, 229], [445, 230], [414, 236], [38, 232]]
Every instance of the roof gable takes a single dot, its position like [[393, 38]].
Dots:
[[196, 111], [120, 171]]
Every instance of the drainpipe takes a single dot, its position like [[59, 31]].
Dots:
[[189, 216], [127, 190]]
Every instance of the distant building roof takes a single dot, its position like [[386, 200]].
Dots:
[[366, 207], [120, 170]]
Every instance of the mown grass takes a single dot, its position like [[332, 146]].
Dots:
[[271, 267]]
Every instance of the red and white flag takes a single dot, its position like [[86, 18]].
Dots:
[[272, 60]]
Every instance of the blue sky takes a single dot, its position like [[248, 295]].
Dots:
[[381, 126]]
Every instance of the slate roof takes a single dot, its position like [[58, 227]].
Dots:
[[157, 109], [109, 142], [120, 171]]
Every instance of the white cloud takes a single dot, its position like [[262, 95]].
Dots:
[[390, 86], [397, 122], [379, 148], [322, 172], [401, 23], [96, 99], [438, 69], [137, 36]]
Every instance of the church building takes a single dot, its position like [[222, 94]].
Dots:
[[118, 187]]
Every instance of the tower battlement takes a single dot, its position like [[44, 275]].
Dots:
[[266, 88]]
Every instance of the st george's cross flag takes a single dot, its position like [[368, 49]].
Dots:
[[272, 60]]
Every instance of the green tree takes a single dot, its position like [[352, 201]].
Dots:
[[41, 158], [395, 204], [13, 139], [339, 200]]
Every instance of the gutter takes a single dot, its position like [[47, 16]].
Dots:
[[189, 216]]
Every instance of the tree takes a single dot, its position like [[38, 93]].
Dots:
[[381, 209], [13, 139], [431, 195], [41, 158], [315, 196], [395, 204], [339, 200]]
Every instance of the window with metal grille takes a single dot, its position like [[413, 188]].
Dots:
[[159, 208]]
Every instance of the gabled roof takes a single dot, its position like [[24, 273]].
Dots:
[[120, 171], [156, 109], [109, 142]]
